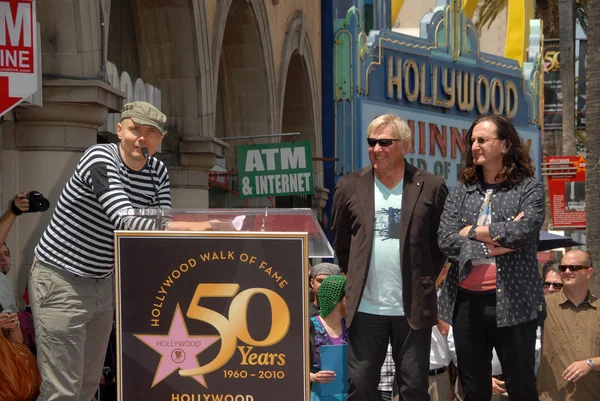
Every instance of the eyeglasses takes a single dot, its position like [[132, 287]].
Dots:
[[558, 286], [573, 268], [481, 140], [385, 142]]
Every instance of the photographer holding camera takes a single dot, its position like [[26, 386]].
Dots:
[[24, 202], [18, 205]]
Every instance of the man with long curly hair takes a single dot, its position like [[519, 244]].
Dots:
[[490, 227]]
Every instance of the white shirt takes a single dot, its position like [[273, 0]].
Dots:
[[383, 289], [439, 354]]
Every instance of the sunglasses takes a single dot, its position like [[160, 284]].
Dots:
[[573, 268], [558, 286], [382, 142], [481, 140]]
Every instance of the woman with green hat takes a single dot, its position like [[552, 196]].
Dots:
[[329, 328]]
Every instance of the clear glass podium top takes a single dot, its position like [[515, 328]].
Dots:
[[247, 220]]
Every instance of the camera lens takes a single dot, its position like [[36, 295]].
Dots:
[[43, 205]]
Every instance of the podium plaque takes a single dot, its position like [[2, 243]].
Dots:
[[215, 315]]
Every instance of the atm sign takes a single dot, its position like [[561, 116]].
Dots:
[[16, 36]]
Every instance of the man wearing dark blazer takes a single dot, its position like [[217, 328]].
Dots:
[[385, 221]]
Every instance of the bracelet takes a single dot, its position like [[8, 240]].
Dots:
[[15, 209]]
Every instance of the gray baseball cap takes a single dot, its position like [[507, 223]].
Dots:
[[144, 113], [325, 268]]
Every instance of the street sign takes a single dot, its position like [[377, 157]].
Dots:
[[18, 52]]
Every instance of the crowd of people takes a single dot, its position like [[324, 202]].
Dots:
[[435, 294]]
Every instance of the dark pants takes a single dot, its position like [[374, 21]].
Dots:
[[368, 338], [476, 334]]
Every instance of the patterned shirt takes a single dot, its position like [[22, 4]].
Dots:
[[94, 203], [519, 295], [482, 276]]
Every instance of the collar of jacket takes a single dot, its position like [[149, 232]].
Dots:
[[478, 186]]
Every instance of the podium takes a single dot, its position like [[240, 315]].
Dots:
[[215, 315]]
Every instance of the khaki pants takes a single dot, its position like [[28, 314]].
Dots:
[[439, 387], [73, 318]]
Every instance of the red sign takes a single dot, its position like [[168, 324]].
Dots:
[[566, 183], [18, 52], [544, 257]]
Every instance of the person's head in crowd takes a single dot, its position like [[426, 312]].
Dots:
[[576, 271], [332, 296], [142, 126], [4, 259], [320, 272], [388, 139], [552, 279]]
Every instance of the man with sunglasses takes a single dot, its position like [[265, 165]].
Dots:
[[385, 220], [571, 337]]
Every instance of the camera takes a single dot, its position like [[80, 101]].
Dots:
[[109, 374], [37, 202]]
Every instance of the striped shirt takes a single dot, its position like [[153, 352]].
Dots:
[[97, 200]]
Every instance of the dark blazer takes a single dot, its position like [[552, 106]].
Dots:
[[353, 222]]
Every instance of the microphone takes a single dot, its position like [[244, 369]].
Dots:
[[145, 152]]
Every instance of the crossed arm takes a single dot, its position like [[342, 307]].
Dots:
[[499, 237]]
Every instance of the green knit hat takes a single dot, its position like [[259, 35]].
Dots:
[[331, 292]]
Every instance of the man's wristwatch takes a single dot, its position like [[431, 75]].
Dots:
[[591, 363], [472, 232]]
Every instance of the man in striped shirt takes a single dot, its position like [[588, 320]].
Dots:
[[71, 281]]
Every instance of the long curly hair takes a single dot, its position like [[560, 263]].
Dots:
[[517, 164]]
